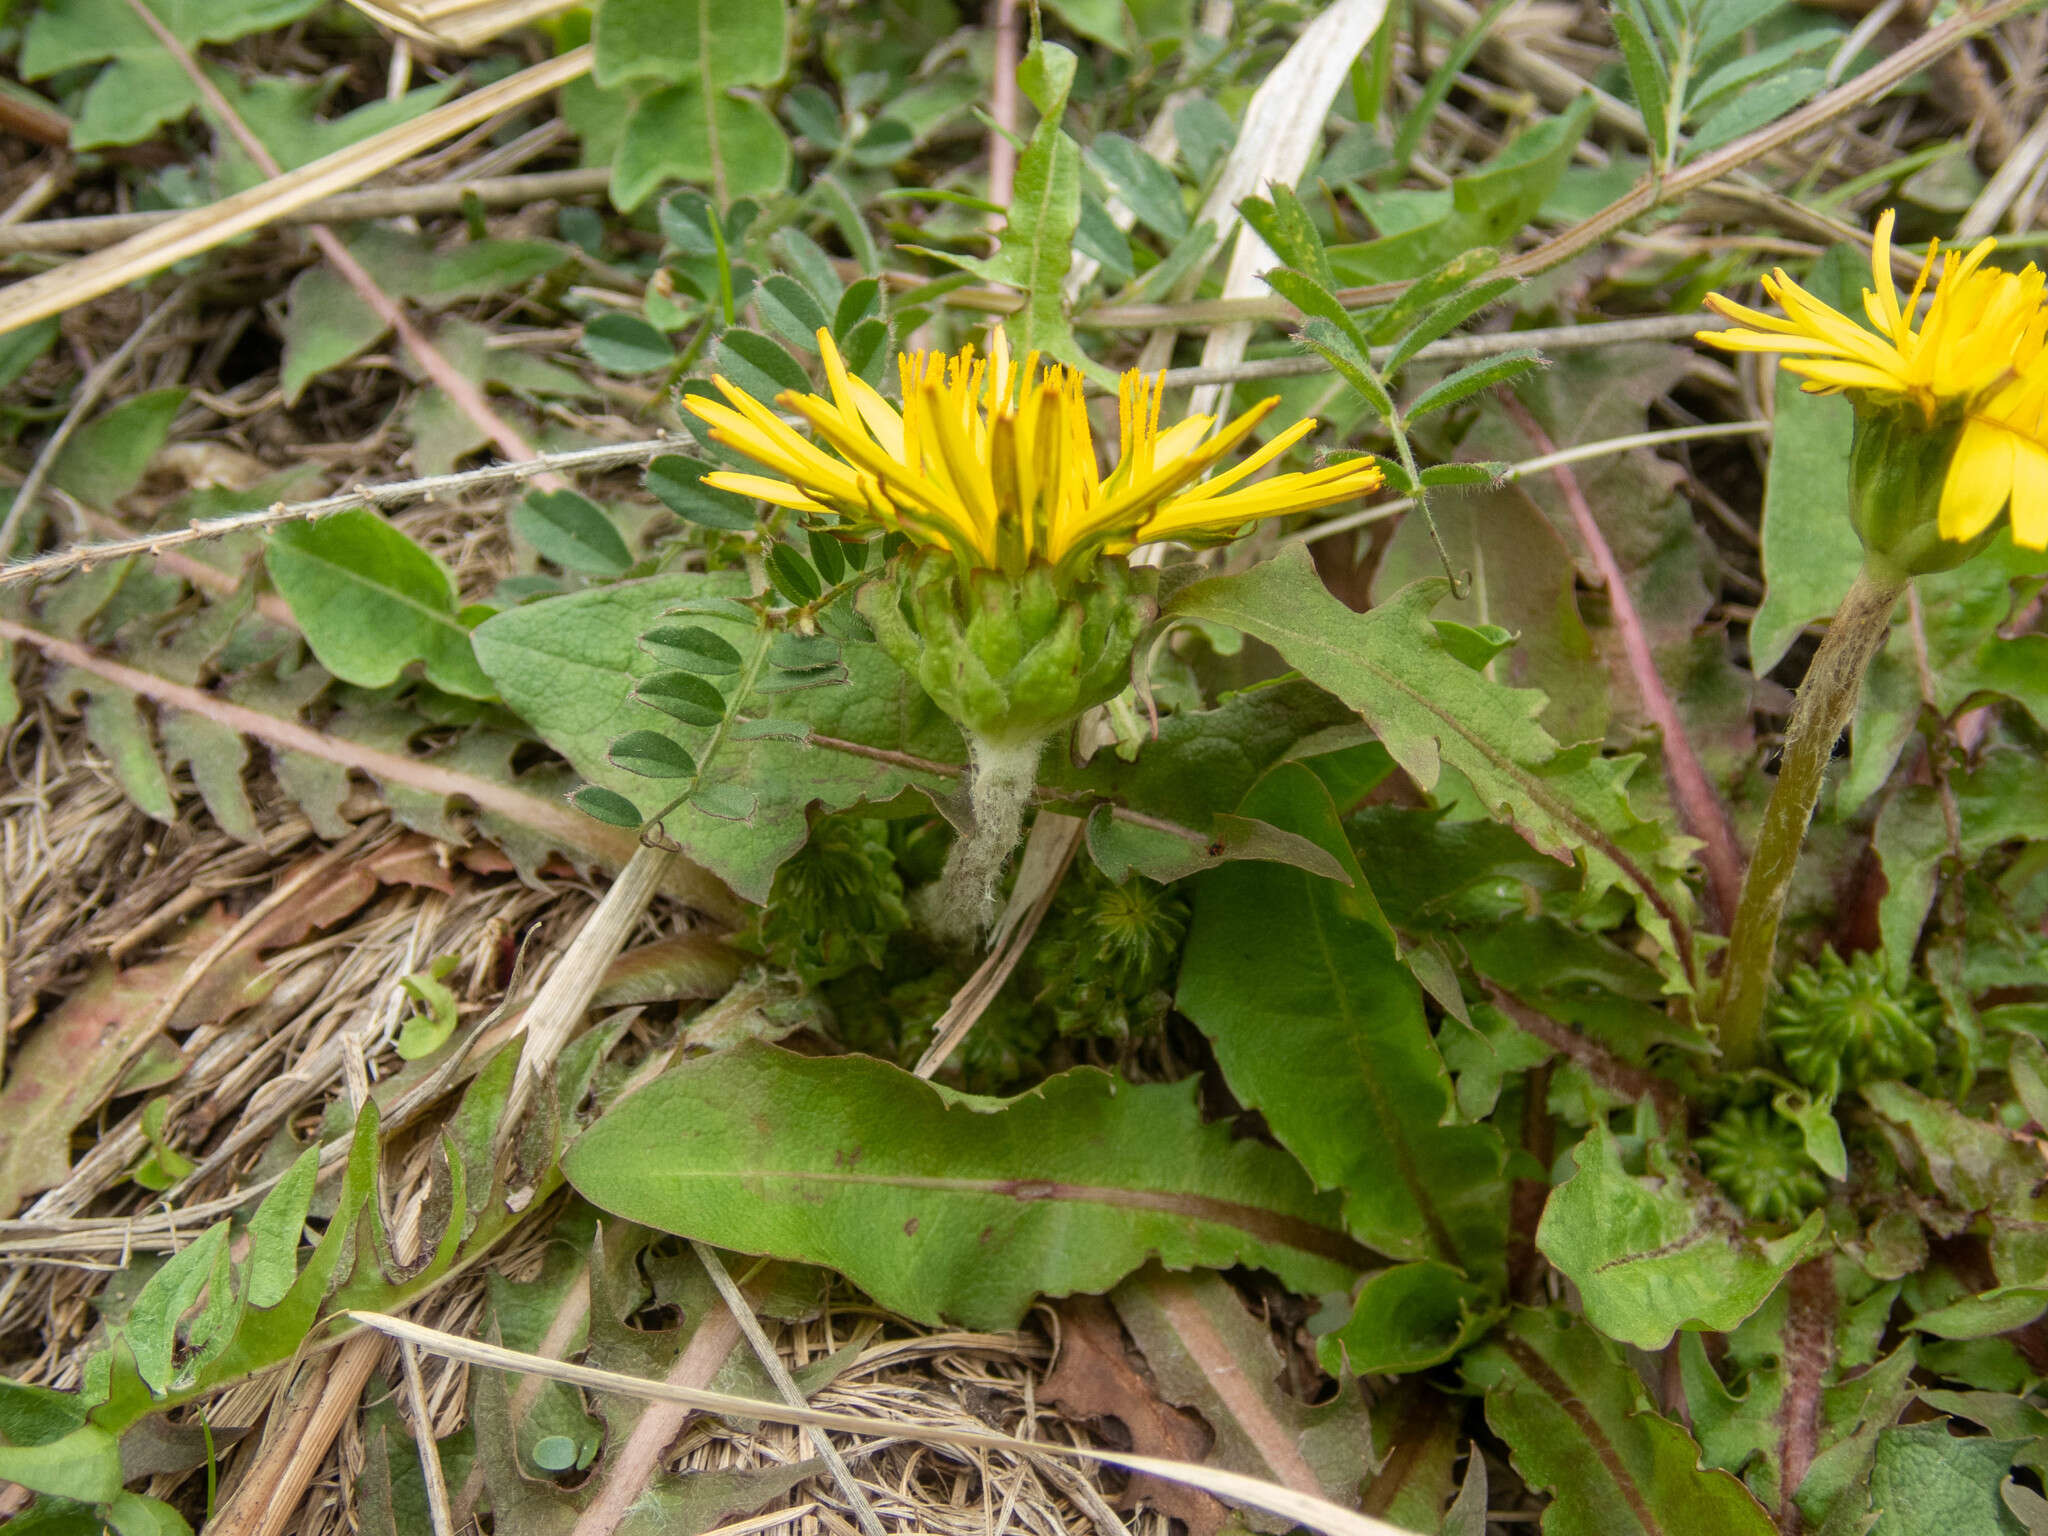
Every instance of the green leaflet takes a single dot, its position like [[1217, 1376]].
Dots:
[[569, 665], [943, 1205], [1576, 1418], [691, 126], [1432, 711], [1649, 1257], [371, 602], [1319, 1026], [2000, 800], [1044, 213]]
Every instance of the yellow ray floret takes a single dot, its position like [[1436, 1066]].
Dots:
[[994, 461], [1978, 350]]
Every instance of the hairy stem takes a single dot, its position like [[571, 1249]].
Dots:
[[1827, 700], [1000, 778]]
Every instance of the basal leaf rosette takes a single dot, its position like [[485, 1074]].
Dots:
[[1012, 603], [1951, 405]]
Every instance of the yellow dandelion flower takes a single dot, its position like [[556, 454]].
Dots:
[[994, 462], [1975, 357]]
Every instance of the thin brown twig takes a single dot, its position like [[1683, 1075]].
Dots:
[[457, 386], [1002, 153], [1701, 808]]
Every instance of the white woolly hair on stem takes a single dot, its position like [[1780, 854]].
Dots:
[[1001, 774]]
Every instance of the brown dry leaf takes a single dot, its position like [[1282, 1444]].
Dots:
[[1095, 1378], [237, 980], [73, 1059], [1208, 1353]]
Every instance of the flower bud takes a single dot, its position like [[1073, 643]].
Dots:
[[1010, 658], [1898, 463]]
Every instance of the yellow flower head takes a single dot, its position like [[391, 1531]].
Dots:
[[1977, 353], [994, 462]]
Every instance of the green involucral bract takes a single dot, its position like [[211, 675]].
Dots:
[[1841, 1023], [1898, 463], [1011, 659]]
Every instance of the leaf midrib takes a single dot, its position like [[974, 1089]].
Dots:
[[1289, 1231]]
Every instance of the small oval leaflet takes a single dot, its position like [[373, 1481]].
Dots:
[[691, 647], [792, 576], [651, 755], [573, 531], [676, 482], [828, 555], [801, 653], [621, 343], [683, 696], [726, 802], [713, 607], [605, 805]]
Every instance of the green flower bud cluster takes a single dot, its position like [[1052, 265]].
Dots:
[[1898, 464], [1760, 1160], [1010, 658], [1841, 1023], [835, 903]]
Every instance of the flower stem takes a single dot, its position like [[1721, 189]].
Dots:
[[1827, 700], [1001, 776]]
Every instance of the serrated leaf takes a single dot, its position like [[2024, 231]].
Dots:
[[578, 678], [1360, 1095], [1431, 711], [651, 755], [371, 602], [1651, 1257], [945, 1206], [1576, 1419], [573, 531]]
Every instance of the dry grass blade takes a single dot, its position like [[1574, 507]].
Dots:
[[98, 230], [51, 293], [1283, 126], [1316, 1513], [1047, 853]]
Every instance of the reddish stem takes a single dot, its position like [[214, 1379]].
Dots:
[[1698, 806]]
